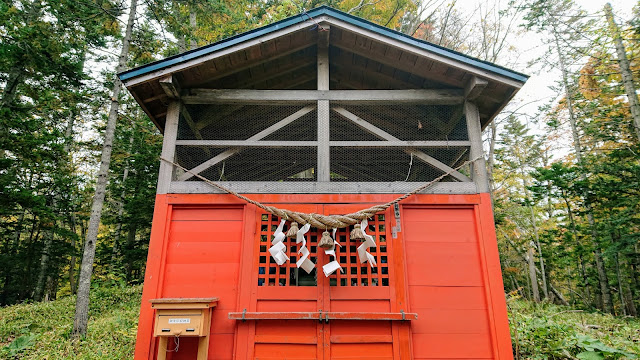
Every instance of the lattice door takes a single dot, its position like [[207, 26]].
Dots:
[[358, 288]]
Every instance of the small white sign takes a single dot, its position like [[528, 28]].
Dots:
[[180, 321]]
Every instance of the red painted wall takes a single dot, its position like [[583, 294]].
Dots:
[[448, 273]]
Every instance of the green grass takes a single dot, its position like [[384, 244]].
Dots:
[[42, 330], [546, 331], [539, 331]]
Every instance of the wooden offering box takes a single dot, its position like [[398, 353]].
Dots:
[[183, 317]]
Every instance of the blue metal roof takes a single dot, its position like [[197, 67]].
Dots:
[[319, 11]]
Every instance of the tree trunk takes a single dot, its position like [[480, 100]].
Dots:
[[131, 238], [86, 269], [532, 275], [585, 280], [602, 274], [623, 304], [524, 257], [72, 262], [8, 95], [192, 23], [44, 263], [534, 225], [625, 69], [491, 157], [116, 239]]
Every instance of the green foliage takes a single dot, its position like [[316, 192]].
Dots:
[[17, 346], [41, 330], [545, 331]]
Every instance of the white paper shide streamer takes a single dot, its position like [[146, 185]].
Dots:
[[304, 261], [277, 250], [334, 265], [363, 254], [279, 255]]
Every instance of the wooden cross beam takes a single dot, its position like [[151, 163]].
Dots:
[[259, 136], [288, 97], [374, 130]]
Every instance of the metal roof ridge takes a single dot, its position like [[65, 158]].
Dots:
[[318, 11]]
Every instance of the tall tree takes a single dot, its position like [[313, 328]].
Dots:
[[565, 24], [625, 69], [86, 270]]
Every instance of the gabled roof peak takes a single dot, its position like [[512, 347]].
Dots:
[[322, 10]]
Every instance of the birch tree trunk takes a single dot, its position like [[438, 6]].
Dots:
[[86, 269], [625, 69]]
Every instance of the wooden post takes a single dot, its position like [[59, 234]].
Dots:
[[165, 174], [324, 151], [478, 168]]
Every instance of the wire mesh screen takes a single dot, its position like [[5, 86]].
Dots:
[[251, 122], [402, 122], [405, 122], [253, 142], [240, 122]]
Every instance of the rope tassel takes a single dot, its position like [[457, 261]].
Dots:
[[293, 230], [326, 242], [357, 233]]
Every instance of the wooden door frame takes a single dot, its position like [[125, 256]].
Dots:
[[248, 292]]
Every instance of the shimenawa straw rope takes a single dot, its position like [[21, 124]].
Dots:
[[320, 220]]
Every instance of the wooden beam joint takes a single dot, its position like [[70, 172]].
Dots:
[[474, 88]]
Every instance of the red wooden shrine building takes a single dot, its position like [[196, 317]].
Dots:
[[322, 113]]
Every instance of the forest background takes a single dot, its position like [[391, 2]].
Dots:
[[79, 159]]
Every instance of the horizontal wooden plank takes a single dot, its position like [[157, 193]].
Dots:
[[290, 315], [207, 213], [447, 297], [246, 143], [377, 351], [439, 213], [285, 327], [293, 304], [271, 97], [452, 346], [335, 187], [359, 144], [360, 292], [361, 339], [355, 305], [346, 327], [294, 293], [382, 144], [443, 264], [285, 339], [190, 252], [452, 321], [203, 302], [370, 316], [436, 231], [356, 316], [292, 351]]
